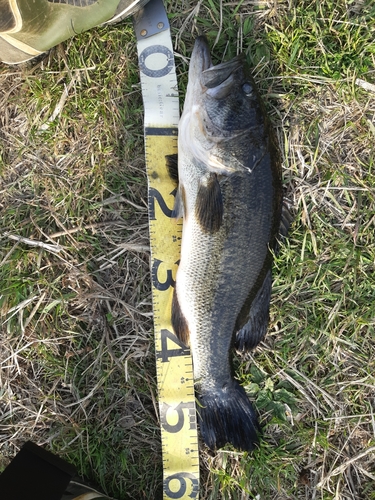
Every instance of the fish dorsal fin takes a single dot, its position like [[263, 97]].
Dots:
[[209, 208], [253, 320], [286, 217], [286, 220]]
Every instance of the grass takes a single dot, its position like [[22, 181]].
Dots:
[[77, 361]]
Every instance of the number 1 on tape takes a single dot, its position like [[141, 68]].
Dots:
[[173, 359]]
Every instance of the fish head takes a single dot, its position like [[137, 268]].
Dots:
[[230, 100], [221, 103]]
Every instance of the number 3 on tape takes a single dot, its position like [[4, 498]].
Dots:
[[173, 359]]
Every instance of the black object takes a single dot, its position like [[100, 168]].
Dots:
[[35, 474]]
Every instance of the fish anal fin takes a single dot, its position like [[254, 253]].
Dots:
[[171, 162], [252, 322], [209, 208], [179, 322]]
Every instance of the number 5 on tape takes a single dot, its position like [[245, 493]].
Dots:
[[173, 359]]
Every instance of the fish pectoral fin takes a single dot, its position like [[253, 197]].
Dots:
[[171, 162], [209, 209], [179, 322], [179, 203], [217, 166], [221, 166], [253, 322]]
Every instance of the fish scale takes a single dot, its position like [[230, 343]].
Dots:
[[230, 196]]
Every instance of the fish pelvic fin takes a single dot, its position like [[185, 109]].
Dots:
[[209, 208], [179, 203], [253, 322], [179, 322], [227, 416]]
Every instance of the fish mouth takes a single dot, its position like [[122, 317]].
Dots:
[[219, 80], [215, 76], [200, 58], [204, 77], [200, 61]]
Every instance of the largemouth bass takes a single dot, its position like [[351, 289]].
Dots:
[[230, 197]]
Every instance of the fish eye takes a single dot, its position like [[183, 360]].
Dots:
[[247, 88]]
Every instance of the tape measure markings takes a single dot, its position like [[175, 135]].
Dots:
[[161, 131], [173, 359]]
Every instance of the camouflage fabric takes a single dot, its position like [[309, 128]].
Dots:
[[27, 29]]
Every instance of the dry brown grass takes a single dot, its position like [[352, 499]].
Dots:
[[76, 351]]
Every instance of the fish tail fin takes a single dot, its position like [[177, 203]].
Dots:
[[227, 416]]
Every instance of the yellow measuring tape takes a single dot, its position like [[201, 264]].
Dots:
[[173, 359]]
